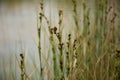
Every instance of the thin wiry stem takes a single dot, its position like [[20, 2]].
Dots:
[[22, 67], [75, 13], [39, 40]]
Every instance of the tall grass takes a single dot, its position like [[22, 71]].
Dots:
[[90, 52], [22, 67], [39, 39]]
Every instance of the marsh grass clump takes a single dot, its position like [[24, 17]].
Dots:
[[87, 52]]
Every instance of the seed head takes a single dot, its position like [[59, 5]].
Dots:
[[55, 30]]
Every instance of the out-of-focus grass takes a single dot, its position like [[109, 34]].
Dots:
[[90, 50]]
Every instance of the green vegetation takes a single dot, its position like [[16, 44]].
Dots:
[[91, 50]]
